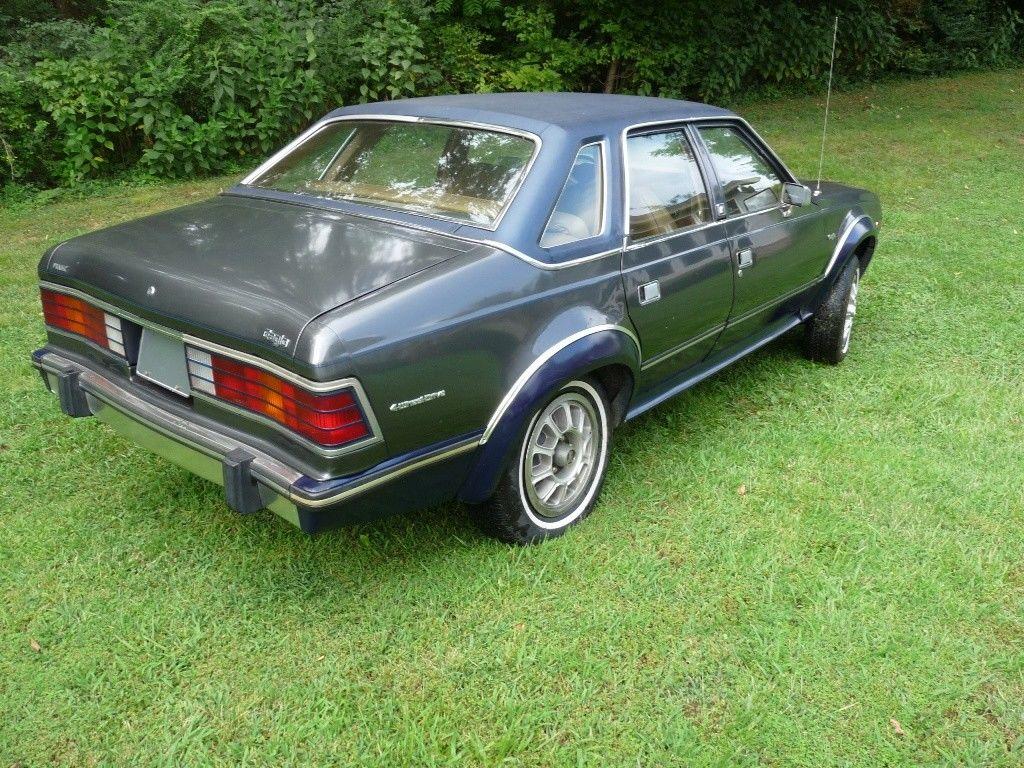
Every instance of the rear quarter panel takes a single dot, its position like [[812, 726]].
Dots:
[[468, 327]]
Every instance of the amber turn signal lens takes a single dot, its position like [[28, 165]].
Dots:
[[73, 315]]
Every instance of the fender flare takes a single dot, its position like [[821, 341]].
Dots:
[[855, 229], [577, 355]]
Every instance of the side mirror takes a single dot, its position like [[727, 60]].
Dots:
[[795, 194]]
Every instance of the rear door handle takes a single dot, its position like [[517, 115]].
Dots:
[[745, 258]]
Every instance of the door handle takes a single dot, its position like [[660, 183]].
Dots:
[[745, 258]]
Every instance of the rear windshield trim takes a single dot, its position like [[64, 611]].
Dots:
[[302, 138]]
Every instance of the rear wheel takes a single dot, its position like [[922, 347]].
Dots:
[[831, 327], [557, 471]]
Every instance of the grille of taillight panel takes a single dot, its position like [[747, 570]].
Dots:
[[76, 316], [330, 419]]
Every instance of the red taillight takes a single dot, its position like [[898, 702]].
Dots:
[[71, 314], [331, 419]]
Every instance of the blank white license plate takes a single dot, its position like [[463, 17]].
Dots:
[[162, 361]]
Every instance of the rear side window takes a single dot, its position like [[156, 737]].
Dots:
[[577, 214], [749, 183], [666, 191]]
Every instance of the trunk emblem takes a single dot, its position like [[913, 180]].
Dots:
[[275, 338]]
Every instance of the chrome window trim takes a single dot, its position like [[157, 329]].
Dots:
[[309, 133], [553, 265], [756, 147], [541, 359], [602, 145], [633, 245], [683, 121]]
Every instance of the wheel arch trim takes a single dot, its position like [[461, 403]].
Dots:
[[574, 356], [861, 225], [536, 365]]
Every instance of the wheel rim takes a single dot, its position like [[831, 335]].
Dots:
[[561, 457], [851, 310]]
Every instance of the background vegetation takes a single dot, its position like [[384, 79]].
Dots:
[[176, 88], [790, 565]]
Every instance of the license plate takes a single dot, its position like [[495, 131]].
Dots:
[[162, 361]]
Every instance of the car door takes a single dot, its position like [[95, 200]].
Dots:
[[677, 265], [776, 248]]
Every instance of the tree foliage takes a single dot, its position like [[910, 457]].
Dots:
[[183, 87]]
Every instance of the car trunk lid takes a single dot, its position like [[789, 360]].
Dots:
[[252, 270]]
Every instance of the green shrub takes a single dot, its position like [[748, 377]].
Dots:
[[175, 88]]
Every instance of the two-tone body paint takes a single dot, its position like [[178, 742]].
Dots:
[[410, 307]]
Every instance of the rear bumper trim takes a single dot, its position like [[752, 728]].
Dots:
[[244, 471]]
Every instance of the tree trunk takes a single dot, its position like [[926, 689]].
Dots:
[[611, 76]]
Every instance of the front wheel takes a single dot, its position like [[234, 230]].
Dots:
[[830, 329], [554, 477]]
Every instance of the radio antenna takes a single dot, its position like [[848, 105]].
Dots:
[[828, 103]]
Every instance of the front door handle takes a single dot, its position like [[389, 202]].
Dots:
[[745, 258]]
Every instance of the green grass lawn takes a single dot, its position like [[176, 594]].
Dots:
[[788, 561]]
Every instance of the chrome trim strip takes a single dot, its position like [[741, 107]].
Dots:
[[89, 342], [842, 241], [668, 354], [399, 471], [312, 386], [302, 138], [697, 228], [536, 365], [273, 473], [550, 265]]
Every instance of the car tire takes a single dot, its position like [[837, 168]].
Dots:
[[557, 471], [830, 328]]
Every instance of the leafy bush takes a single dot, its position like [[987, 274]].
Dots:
[[174, 88]]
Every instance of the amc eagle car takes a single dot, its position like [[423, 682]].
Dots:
[[453, 297]]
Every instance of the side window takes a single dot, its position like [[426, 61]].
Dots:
[[577, 214], [748, 180], [666, 191]]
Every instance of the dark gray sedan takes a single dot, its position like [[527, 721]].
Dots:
[[450, 297]]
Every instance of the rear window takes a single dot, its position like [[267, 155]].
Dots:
[[466, 174]]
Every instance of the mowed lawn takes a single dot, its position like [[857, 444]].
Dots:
[[791, 564]]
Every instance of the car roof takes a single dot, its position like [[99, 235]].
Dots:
[[575, 113]]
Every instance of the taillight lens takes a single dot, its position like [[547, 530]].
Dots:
[[330, 419], [71, 314]]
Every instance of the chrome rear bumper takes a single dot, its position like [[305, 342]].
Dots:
[[191, 446], [252, 479]]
